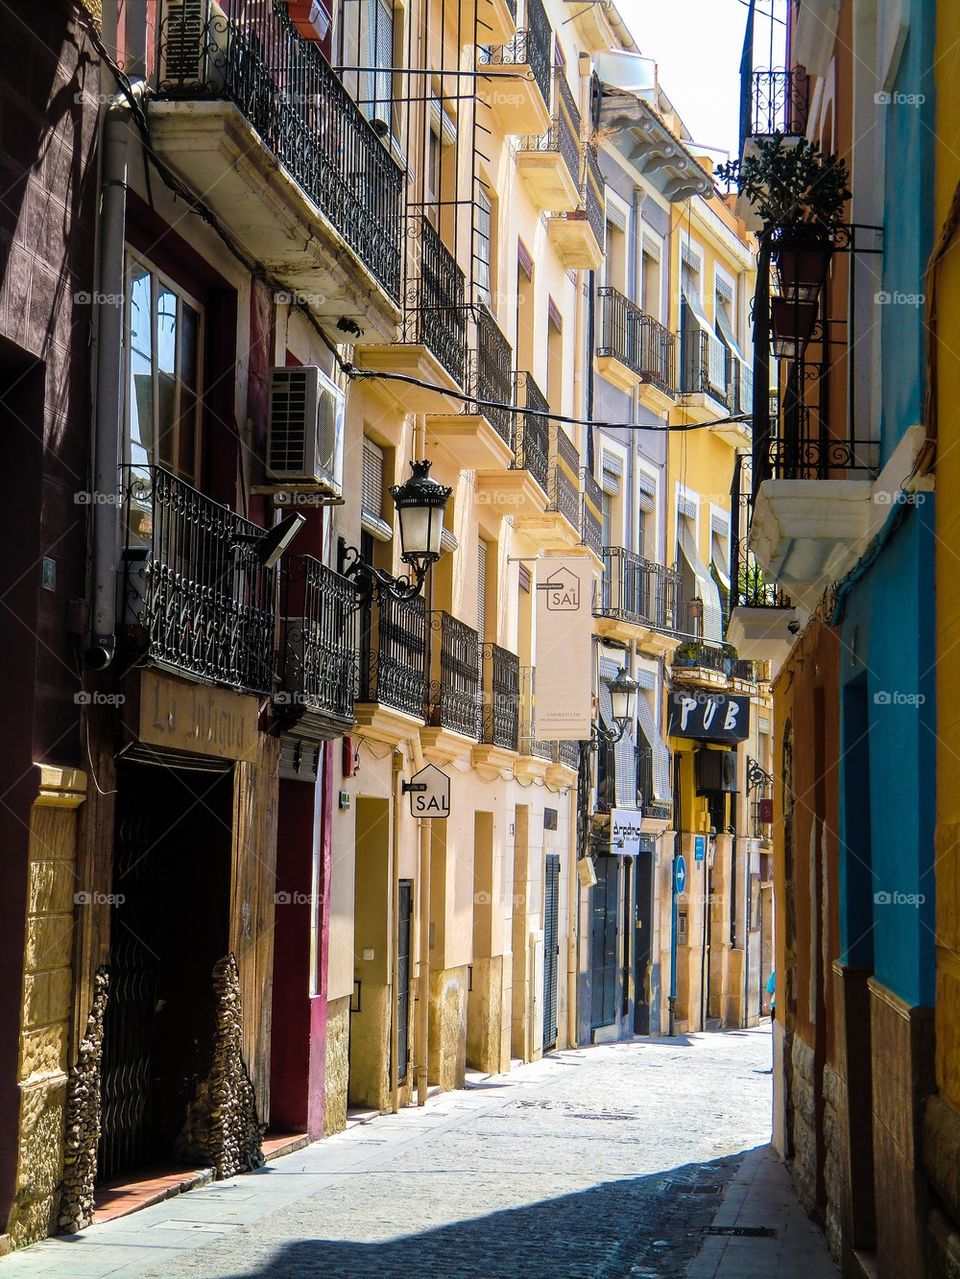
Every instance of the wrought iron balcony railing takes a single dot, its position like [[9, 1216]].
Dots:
[[288, 92], [563, 491], [319, 641], [197, 598], [591, 505], [566, 753], [532, 46], [501, 698], [531, 432], [454, 693], [594, 194], [707, 365], [491, 374], [658, 809], [638, 590], [636, 340], [779, 102], [563, 136], [436, 310], [393, 654], [706, 657], [530, 745]]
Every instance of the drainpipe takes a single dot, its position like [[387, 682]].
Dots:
[[105, 515]]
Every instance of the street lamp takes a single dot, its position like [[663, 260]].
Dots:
[[420, 503], [623, 699]]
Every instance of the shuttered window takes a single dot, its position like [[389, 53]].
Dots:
[[371, 493], [624, 751]]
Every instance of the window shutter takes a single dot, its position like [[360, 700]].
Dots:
[[371, 493], [481, 589]]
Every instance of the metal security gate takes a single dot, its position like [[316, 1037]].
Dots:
[[404, 912], [551, 949], [604, 960]]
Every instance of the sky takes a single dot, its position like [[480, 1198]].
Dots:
[[697, 44]]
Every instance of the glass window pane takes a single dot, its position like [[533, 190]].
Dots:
[[166, 330], [141, 425], [187, 434], [189, 345], [141, 331]]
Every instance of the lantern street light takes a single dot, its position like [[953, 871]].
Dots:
[[420, 503], [623, 697]]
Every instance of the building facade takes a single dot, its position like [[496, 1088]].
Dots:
[[231, 920]]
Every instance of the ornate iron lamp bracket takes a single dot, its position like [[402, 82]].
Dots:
[[371, 583], [757, 777]]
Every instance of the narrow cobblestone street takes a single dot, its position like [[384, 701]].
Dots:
[[607, 1161]]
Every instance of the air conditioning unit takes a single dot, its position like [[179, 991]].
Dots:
[[305, 438], [193, 46], [716, 771]]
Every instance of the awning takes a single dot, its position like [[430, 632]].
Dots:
[[727, 333], [720, 559], [707, 589], [717, 352], [646, 494], [662, 788], [624, 751]]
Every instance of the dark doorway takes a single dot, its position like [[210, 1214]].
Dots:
[[626, 934], [604, 961], [169, 926], [551, 948], [404, 914], [642, 955]]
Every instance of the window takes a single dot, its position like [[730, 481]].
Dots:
[[483, 246], [164, 329], [380, 43], [616, 255], [554, 358], [371, 493], [650, 279]]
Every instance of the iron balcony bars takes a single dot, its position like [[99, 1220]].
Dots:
[[591, 505], [638, 341], [638, 590], [393, 654], [529, 745], [197, 597], [661, 809], [709, 367], [288, 92], [751, 586], [501, 698], [454, 693], [563, 491], [563, 136], [319, 640], [531, 432], [532, 47], [594, 188], [491, 373], [778, 102], [436, 311]]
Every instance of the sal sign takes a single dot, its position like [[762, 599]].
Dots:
[[564, 653], [429, 792], [709, 717]]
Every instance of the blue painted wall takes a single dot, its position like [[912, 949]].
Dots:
[[887, 781]]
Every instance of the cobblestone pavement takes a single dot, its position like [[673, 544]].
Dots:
[[599, 1163]]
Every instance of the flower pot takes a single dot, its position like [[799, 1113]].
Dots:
[[310, 17], [802, 266]]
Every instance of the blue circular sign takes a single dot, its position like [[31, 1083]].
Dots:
[[679, 873]]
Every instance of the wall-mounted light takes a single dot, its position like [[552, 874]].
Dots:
[[623, 699]]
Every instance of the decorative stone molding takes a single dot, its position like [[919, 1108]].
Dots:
[[222, 1127], [83, 1110]]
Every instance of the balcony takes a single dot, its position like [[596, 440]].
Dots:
[[433, 345], [500, 721], [196, 598], [496, 19], [453, 695], [549, 163], [319, 651], [773, 102], [535, 756], [591, 507], [763, 620], [657, 812], [516, 85], [522, 488], [479, 436], [635, 350], [637, 600], [702, 663], [579, 237], [249, 115], [713, 382], [564, 765], [392, 683]]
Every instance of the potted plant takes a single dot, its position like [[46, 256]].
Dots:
[[799, 194], [686, 654]]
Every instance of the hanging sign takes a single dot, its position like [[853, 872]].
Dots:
[[625, 832], [429, 792], [709, 717], [564, 667]]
